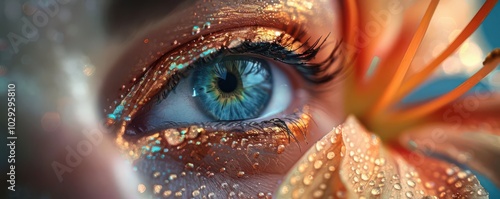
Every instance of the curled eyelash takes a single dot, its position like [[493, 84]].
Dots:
[[279, 50]]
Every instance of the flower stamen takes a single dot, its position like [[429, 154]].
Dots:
[[402, 69], [490, 63], [421, 76]]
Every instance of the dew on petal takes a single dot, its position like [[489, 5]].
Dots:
[[397, 186], [409, 194], [375, 191], [330, 155]]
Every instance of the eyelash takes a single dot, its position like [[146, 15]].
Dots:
[[315, 73]]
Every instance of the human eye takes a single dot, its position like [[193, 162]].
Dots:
[[226, 112]]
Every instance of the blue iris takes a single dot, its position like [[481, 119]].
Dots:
[[234, 88]]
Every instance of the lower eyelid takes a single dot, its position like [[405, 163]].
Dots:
[[229, 154], [270, 134]]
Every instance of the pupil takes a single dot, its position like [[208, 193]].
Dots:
[[229, 84]]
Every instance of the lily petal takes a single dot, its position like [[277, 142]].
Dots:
[[467, 131], [350, 162]]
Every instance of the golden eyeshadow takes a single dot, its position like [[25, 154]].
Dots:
[[198, 138]]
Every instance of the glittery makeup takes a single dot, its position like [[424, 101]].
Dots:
[[232, 155]]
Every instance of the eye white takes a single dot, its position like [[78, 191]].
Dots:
[[181, 105]]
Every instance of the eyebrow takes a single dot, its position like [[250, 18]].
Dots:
[[123, 16]]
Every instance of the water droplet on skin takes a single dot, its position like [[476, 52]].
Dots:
[[451, 180], [255, 165], [280, 149], [261, 195], [196, 30], [172, 177], [449, 171], [173, 137], [190, 165], [240, 174], [256, 155], [193, 132], [481, 192], [156, 174], [141, 188], [461, 175], [195, 193], [376, 191], [157, 189], [206, 25], [167, 193]]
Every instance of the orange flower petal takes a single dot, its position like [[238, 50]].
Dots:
[[475, 147], [352, 163]]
